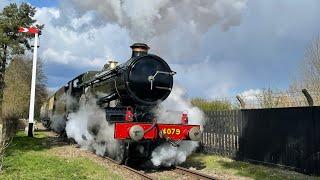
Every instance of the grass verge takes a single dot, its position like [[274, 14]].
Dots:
[[225, 166], [30, 158]]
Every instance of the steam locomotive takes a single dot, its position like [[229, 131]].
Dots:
[[128, 93]]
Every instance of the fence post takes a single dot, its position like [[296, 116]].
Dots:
[[308, 97], [242, 103]]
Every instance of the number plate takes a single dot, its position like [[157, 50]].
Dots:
[[171, 131]]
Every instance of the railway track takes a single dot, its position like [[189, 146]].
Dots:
[[141, 174], [177, 169], [194, 174]]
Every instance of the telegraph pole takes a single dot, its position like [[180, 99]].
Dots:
[[34, 31]]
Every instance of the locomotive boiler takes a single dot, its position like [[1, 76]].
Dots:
[[128, 93]]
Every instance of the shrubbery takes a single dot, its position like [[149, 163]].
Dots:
[[215, 105]]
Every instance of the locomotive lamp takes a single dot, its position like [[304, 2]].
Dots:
[[129, 114], [184, 118]]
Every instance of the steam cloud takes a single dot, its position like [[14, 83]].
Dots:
[[146, 18], [170, 27], [166, 154], [58, 122], [89, 128]]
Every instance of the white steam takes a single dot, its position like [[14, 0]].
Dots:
[[171, 28], [166, 154], [145, 18], [58, 122], [89, 128], [171, 109]]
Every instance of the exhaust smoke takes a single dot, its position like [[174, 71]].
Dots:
[[89, 128], [174, 28], [166, 154]]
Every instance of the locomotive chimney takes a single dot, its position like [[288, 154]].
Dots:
[[139, 49]]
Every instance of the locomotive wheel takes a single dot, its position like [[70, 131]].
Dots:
[[121, 153]]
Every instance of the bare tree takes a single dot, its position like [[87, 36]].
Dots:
[[310, 72], [311, 66], [268, 99]]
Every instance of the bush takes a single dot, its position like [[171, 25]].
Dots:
[[215, 105]]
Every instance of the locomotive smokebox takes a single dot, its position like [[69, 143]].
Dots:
[[139, 49]]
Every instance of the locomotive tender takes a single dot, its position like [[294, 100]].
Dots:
[[129, 94]]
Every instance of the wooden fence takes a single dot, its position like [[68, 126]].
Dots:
[[222, 132]]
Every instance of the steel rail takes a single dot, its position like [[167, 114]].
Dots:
[[139, 173], [195, 174]]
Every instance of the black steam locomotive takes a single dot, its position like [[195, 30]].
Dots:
[[128, 93]]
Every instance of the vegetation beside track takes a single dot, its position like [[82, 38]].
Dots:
[[31, 158], [34, 158], [223, 166]]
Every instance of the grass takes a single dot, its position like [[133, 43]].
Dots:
[[225, 166], [30, 158]]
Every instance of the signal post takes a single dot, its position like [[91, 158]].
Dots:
[[34, 31]]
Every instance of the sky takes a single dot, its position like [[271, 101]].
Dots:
[[218, 48]]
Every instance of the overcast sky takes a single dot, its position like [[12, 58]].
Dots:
[[219, 48]]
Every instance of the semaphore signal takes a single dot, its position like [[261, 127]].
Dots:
[[35, 31], [31, 30]]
